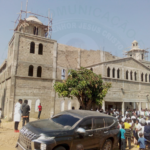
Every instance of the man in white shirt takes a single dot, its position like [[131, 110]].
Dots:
[[133, 117], [137, 112], [142, 120], [138, 128], [126, 113], [117, 112], [142, 113], [114, 112], [17, 114]]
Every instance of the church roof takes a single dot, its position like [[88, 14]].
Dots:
[[121, 59], [34, 19]]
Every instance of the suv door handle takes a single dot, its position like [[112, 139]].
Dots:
[[91, 135], [106, 132]]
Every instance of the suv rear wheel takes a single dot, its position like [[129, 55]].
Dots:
[[60, 148], [107, 145]]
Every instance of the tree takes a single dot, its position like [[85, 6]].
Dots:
[[85, 85]]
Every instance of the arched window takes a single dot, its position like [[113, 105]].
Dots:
[[39, 71], [30, 72], [40, 49], [35, 31], [108, 72], [91, 69], [113, 73], [131, 75], [142, 77], [146, 77], [32, 47], [135, 76], [127, 74], [118, 73]]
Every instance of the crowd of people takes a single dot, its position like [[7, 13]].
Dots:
[[134, 126], [23, 111]]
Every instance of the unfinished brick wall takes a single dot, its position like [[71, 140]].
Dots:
[[25, 58], [90, 57], [34, 89], [67, 56]]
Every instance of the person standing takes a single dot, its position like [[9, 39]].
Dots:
[[127, 127], [25, 112], [40, 109], [0, 116], [138, 129], [123, 141], [147, 133], [17, 115], [142, 141]]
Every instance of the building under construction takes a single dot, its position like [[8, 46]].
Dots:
[[35, 62]]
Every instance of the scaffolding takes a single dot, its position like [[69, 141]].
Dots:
[[19, 18], [131, 52]]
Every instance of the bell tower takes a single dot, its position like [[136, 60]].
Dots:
[[136, 52]]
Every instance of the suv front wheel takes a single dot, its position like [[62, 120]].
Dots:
[[107, 145]]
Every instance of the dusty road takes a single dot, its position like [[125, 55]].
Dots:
[[8, 138]]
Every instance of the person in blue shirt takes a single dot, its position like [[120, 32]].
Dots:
[[141, 142], [123, 141]]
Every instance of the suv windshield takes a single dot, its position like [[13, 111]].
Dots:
[[65, 120]]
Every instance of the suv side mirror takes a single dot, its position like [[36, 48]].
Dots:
[[81, 131]]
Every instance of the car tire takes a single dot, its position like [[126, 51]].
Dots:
[[107, 145], [60, 148]]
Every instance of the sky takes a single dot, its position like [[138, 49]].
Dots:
[[109, 25]]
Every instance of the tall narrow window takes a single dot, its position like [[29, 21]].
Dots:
[[113, 73], [142, 77], [40, 49], [63, 73], [127, 74], [35, 31], [39, 71], [149, 77], [142, 56], [32, 47], [135, 76], [118, 73], [30, 72], [108, 72], [131, 75], [146, 77]]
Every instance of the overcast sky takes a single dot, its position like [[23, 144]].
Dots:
[[109, 25]]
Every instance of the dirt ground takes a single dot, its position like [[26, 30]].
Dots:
[[8, 138]]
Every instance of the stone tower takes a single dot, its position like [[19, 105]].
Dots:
[[31, 67]]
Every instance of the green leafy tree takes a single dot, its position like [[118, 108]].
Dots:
[[85, 85]]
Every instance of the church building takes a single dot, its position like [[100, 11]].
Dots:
[[35, 62]]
